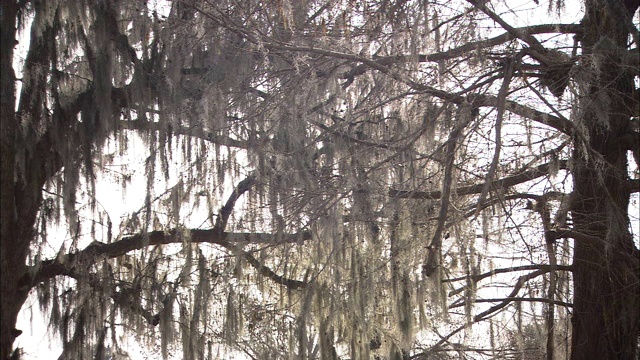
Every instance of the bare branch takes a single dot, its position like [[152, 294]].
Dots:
[[468, 47], [180, 130], [522, 177], [507, 270], [476, 278], [227, 209], [521, 280], [512, 299], [502, 97], [436, 242], [59, 266], [526, 37]]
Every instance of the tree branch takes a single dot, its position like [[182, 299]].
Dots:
[[513, 299], [521, 280], [476, 278], [180, 130], [506, 270], [524, 36], [503, 183], [121, 298], [53, 267], [96, 250], [553, 121], [502, 98], [227, 209], [471, 46], [430, 264]]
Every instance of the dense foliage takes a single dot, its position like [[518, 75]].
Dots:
[[322, 179]]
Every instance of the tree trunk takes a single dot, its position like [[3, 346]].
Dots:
[[20, 196], [8, 257], [606, 289]]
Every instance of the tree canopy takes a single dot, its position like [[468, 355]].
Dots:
[[322, 179]]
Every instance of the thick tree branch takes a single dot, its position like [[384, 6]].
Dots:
[[509, 181], [227, 209], [468, 47], [53, 267], [231, 241], [512, 299], [180, 130], [476, 278]]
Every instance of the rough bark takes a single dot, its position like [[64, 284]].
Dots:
[[11, 257], [606, 288], [21, 191]]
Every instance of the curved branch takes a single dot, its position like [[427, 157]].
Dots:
[[493, 309], [480, 100], [227, 209]]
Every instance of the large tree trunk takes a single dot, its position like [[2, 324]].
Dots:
[[8, 257], [606, 289], [20, 196]]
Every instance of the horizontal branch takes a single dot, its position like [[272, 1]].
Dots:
[[476, 278], [468, 47], [513, 299], [551, 195], [181, 130], [233, 241], [507, 270], [503, 183]]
